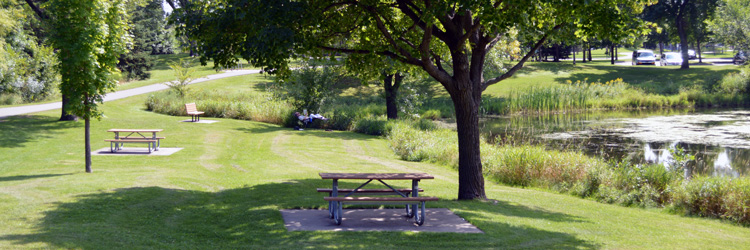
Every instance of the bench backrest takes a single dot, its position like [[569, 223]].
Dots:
[[190, 107]]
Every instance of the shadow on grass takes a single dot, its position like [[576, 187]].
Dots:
[[652, 79], [240, 218], [17, 130], [26, 177], [267, 128]]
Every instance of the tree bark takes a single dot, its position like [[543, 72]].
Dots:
[[589, 48], [698, 50], [470, 178], [65, 115], [679, 21], [88, 144], [391, 94], [612, 54]]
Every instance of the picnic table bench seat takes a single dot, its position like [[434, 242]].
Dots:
[[113, 143], [366, 191], [193, 112]]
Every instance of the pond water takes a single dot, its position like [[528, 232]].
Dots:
[[719, 139]]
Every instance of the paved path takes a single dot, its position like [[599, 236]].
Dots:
[[6, 112]]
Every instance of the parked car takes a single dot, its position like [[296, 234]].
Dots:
[[643, 57], [691, 54], [740, 57], [671, 58]]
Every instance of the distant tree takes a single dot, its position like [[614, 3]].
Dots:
[[90, 35], [731, 24], [26, 66], [150, 37]]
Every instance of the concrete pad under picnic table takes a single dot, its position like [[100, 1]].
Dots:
[[436, 220], [201, 121], [136, 151]]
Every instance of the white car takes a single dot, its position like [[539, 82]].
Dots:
[[671, 58], [644, 57]]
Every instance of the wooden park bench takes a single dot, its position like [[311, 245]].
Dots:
[[193, 112]]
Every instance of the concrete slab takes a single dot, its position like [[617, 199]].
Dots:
[[437, 220], [136, 151], [201, 121]]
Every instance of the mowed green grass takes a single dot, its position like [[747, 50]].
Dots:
[[652, 79], [224, 189]]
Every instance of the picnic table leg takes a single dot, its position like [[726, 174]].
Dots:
[[419, 217], [414, 193], [334, 193], [336, 205], [157, 144]]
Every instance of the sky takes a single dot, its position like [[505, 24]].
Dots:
[[166, 7]]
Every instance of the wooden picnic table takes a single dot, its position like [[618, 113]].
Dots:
[[410, 197], [135, 136]]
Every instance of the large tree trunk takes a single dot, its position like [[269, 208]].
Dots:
[[612, 54], [391, 94], [589, 49], [556, 57], [583, 52], [65, 115], [683, 34], [470, 178], [698, 50]]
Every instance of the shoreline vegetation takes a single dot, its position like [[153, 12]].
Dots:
[[418, 139]]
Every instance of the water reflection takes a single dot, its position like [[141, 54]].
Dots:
[[720, 140]]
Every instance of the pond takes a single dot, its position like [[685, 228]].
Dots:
[[719, 139]]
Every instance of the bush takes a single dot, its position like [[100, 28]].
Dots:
[[735, 83], [715, 197], [374, 125]]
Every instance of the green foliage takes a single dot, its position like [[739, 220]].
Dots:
[[311, 87], [27, 69], [90, 35], [135, 65], [735, 83], [225, 104], [731, 23], [150, 37], [620, 183], [183, 72], [715, 197]]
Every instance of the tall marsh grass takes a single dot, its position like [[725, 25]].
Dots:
[[577, 174], [237, 105]]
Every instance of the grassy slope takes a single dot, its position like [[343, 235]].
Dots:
[[160, 73], [660, 80], [224, 190]]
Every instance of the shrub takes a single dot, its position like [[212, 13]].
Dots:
[[716, 197], [735, 83], [373, 125]]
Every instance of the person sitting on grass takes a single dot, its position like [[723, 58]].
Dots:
[[310, 118]]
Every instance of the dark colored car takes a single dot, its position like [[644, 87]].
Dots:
[[740, 57]]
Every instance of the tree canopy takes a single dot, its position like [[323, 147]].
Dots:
[[90, 36], [449, 40], [731, 24]]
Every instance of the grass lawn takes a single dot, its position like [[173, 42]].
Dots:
[[224, 189], [160, 72], [660, 80]]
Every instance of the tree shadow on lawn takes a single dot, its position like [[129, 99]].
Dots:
[[247, 217], [265, 128], [657, 80], [26, 177], [17, 130]]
